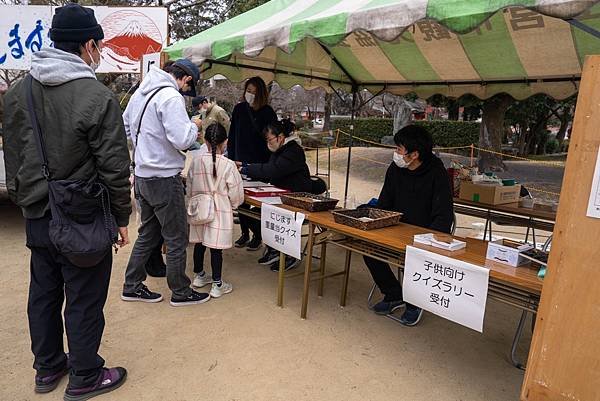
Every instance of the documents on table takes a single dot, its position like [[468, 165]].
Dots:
[[269, 200], [447, 242], [255, 184]]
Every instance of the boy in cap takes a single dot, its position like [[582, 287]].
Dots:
[[84, 136], [159, 135]]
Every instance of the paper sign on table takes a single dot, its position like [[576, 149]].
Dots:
[[594, 202], [282, 229], [450, 288], [270, 200]]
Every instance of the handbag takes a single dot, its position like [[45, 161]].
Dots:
[[81, 228], [202, 208]]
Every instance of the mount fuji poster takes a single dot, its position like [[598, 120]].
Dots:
[[129, 33]]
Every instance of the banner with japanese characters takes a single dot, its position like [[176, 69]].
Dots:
[[129, 34], [450, 288], [282, 229]]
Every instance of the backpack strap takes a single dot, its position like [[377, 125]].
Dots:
[[37, 131], [137, 134]]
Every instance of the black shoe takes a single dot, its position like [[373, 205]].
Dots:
[[290, 263], [195, 298], [271, 256], [46, 384], [386, 307], [411, 317], [242, 241], [109, 380], [254, 245], [142, 295]]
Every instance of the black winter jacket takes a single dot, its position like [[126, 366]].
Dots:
[[423, 195], [286, 169], [246, 140], [84, 135]]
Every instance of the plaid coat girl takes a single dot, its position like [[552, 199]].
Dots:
[[218, 234]]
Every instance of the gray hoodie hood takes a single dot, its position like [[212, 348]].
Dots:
[[53, 67], [157, 78]]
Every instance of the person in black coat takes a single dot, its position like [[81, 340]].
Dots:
[[246, 142], [286, 169], [416, 184]]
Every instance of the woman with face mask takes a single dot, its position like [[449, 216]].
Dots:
[[285, 169], [246, 143]]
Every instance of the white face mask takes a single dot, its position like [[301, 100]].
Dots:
[[249, 98], [399, 160], [94, 65]]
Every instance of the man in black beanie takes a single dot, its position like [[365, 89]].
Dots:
[[81, 123]]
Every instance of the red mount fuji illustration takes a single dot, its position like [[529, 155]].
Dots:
[[133, 43]]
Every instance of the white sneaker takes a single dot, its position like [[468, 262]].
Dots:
[[201, 281], [217, 291]]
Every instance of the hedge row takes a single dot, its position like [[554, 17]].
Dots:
[[445, 133]]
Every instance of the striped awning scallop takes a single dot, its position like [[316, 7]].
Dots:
[[449, 47]]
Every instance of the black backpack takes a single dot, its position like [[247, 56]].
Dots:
[[82, 228]]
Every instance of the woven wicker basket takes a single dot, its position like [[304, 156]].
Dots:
[[377, 218], [308, 201]]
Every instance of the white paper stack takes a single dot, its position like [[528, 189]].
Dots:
[[428, 239]]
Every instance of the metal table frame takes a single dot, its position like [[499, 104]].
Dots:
[[500, 291]]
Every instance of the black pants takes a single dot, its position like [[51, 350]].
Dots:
[[216, 261], [54, 278], [386, 280], [248, 224]]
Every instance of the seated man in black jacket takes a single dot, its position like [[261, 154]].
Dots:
[[416, 184]]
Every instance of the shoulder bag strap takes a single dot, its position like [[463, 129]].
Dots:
[[137, 133], [37, 132], [253, 120]]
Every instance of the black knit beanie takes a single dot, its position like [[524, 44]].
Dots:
[[74, 23]]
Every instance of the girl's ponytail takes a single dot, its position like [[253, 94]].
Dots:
[[215, 134]]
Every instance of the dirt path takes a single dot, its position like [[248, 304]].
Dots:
[[243, 347]]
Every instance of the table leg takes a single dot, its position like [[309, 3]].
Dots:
[[307, 268], [281, 279], [513, 349], [346, 277], [322, 268]]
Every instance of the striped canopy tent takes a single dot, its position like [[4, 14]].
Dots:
[[426, 47], [449, 47]]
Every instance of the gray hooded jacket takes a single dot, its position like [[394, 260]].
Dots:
[[83, 131]]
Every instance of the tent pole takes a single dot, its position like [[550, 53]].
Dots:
[[354, 93]]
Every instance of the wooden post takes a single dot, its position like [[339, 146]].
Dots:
[[564, 360]]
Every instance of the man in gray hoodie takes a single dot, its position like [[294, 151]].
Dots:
[[81, 123], [160, 129]]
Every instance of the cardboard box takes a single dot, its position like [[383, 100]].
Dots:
[[507, 252], [490, 194]]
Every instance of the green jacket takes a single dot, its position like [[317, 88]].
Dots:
[[215, 114], [83, 132]]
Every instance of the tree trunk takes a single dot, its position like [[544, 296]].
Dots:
[[492, 131], [327, 116], [562, 131], [453, 110]]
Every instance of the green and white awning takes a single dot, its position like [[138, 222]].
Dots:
[[451, 47]]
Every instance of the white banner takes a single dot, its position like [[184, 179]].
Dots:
[[452, 289], [282, 229], [129, 33]]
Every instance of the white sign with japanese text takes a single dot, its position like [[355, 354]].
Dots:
[[594, 201], [149, 60], [450, 288], [129, 34], [282, 229]]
